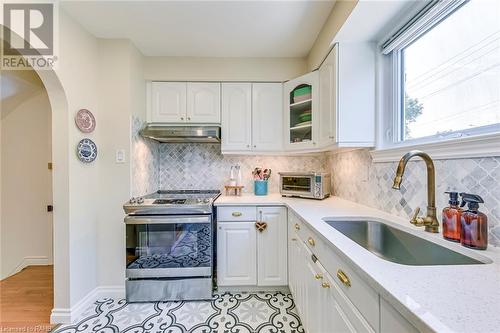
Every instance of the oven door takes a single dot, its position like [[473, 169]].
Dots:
[[168, 246], [297, 185]]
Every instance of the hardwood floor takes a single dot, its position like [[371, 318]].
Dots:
[[26, 300]]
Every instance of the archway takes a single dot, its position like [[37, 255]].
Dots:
[[60, 186]]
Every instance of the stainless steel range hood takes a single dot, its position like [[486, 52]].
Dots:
[[182, 134]]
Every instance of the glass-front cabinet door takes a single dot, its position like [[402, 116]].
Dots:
[[301, 114]]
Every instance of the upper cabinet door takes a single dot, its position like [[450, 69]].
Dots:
[[356, 94], [267, 116], [236, 116], [168, 102], [203, 102], [328, 100], [301, 112]]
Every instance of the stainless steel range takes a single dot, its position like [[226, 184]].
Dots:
[[169, 246]]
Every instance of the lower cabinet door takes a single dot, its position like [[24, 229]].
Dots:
[[271, 247], [236, 254], [324, 308], [332, 314], [391, 321]]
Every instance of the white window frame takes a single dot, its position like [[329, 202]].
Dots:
[[477, 142]]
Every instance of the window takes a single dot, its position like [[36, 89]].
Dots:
[[447, 82]]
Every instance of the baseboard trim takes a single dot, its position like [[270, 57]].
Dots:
[[238, 289], [30, 261], [68, 316]]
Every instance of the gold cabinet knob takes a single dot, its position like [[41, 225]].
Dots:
[[318, 276], [236, 214], [343, 278], [311, 241], [297, 226], [325, 285]]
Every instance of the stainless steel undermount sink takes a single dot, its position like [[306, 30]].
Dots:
[[398, 246]]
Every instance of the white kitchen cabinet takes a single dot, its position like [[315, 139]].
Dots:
[[318, 298], [267, 116], [247, 256], [203, 102], [301, 112], [168, 102], [347, 96], [391, 321], [328, 100], [271, 247], [298, 278], [236, 128], [322, 304], [252, 117], [184, 102], [236, 254]]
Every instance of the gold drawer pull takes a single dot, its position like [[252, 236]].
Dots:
[[297, 226], [236, 214], [311, 241], [318, 276], [325, 285], [343, 278]]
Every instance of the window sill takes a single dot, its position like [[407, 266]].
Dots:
[[468, 147]]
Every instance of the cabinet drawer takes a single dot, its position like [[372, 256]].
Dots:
[[364, 298], [358, 291], [355, 318], [237, 213], [297, 227]]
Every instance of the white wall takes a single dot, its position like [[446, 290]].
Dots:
[[222, 69], [26, 227], [76, 192], [121, 93]]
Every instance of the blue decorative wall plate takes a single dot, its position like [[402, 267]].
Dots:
[[86, 151]]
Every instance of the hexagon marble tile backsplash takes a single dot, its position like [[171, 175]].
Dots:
[[354, 175], [202, 166]]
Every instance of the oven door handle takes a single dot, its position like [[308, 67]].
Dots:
[[173, 219]]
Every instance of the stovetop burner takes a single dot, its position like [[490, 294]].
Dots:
[[173, 202], [187, 192], [169, 201]]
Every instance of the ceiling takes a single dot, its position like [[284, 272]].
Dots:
[[16, 87], [207, 28]]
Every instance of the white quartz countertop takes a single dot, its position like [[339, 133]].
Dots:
[[452, 298]]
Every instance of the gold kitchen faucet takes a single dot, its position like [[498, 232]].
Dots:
[[429, 221]]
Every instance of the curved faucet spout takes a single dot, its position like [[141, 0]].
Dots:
[[430, 221]]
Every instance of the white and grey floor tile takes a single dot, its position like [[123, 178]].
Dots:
[[261, 312]]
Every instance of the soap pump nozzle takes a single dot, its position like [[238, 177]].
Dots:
[[453, 200], [472, 201]]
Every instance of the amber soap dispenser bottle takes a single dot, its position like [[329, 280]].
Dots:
[[474, 233], [451, 218]]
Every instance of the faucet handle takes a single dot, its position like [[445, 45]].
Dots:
[[416, 220]]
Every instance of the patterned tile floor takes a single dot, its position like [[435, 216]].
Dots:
[[262, 312]]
